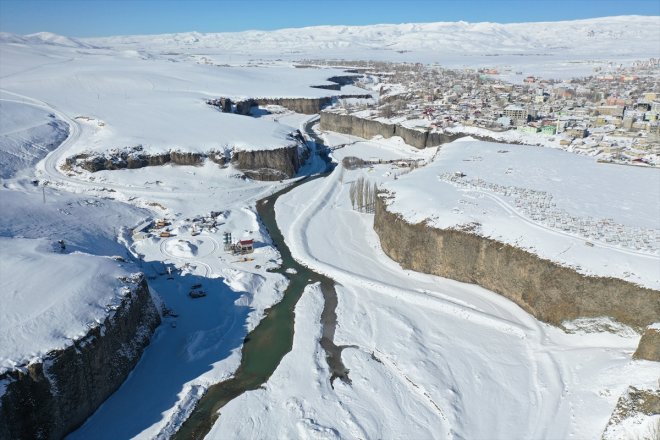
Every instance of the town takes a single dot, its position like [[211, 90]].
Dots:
[[611, 115]]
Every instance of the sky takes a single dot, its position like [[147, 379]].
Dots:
[[89, 18]]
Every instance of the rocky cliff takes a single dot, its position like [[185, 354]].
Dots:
[[635, 408], [268, 164], [550, 292], [135, 157], [51, 398], [279, 164], [307, 106], [649, 345], [368, 128]]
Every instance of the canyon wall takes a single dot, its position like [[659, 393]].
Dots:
[[368, 128], [649, 345], [135, 158], [55, 396], [550, 292], [270, 164], [279, 164], [307, 106]]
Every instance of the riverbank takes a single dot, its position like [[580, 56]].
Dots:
[[265, 346], [419, 341]]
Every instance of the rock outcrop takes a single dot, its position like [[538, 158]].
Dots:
[[637, 406], [267, 164], [649, 345], [307, 106], [279, 164], [550, 292], [273, 164], [368, 128], [135, 157], [51, 398]]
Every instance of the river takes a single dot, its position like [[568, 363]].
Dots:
[[265, 346]]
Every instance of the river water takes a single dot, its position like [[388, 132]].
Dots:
[[265, 346]]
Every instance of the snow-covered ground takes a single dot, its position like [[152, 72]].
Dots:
[[552, 49], [200, 339], [602, 218], [27, 134], [51, 299], [118, 100], [52, 296], [428, 357]]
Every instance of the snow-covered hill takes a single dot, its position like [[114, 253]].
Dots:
[[27, 134], [43, 38], [610, 36], [427, 355]]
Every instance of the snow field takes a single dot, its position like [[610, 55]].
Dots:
[[121, 101], [199, 342], [429, 356], [478, 365], [27, 134], [51, 299], [601, 219], [552, 50]]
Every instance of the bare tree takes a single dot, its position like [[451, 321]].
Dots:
[[360, 193], [353, 193], [363, 195]]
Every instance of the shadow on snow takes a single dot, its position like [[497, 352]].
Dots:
[[184, 347]]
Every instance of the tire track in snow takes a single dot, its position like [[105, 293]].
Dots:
[[525, 327], [414, 388], [297, 232]]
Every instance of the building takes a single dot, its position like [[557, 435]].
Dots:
[[549, 130], [628, 122], [650, 96], [528, 129], [611, 110], [516, 113], [654, 131], [576, 132], [245, 246]]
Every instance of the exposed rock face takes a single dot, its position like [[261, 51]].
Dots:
[[276, 164], [367, 128], [649, 346], [550, 292], [132, 158], [186, 158], [307, 106], [631, 405], [55, 396], [244, 107], [279, 164]]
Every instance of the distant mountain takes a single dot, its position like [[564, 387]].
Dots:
[[44, 38], [609, 35]]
